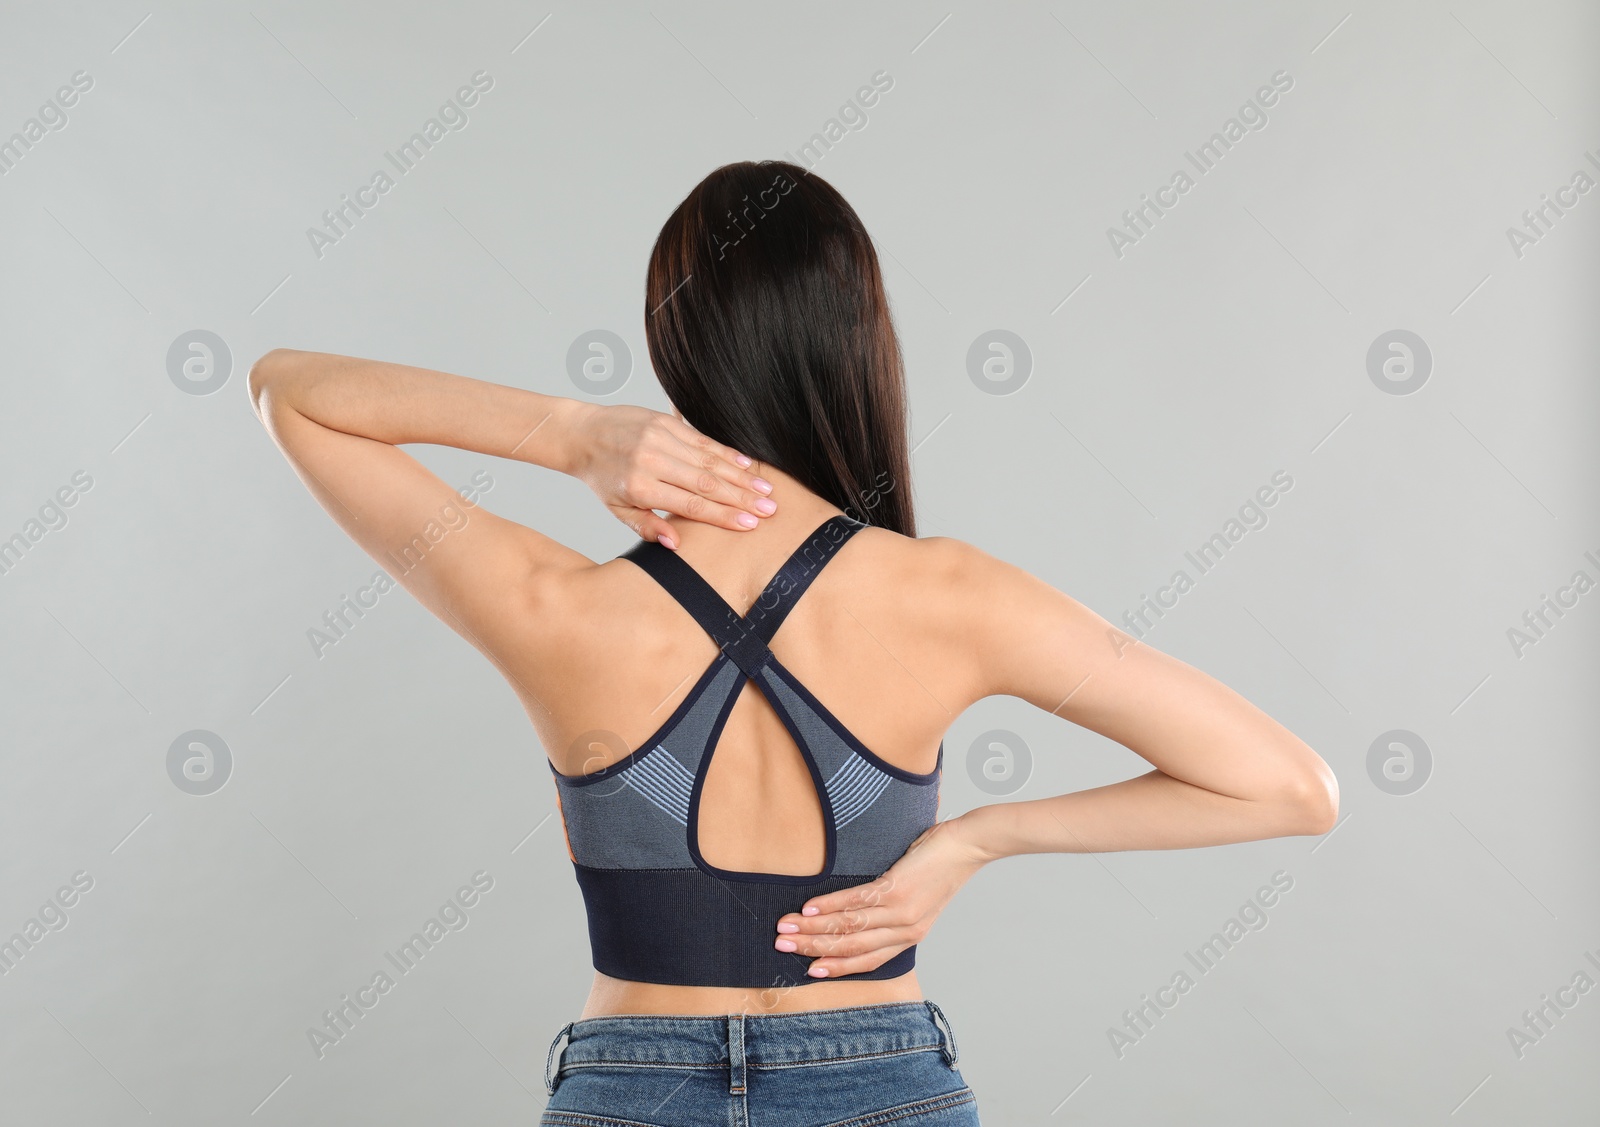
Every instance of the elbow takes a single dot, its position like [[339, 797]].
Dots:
[[1315, 800], [267, 368]]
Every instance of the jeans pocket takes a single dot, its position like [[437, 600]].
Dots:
[[629, 1095], [579, 1119], [958, 1108]]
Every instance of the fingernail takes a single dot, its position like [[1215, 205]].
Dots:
[[746, 520], [666, 541], [761, 485], [765, 507], [808, 910], [784, 945], [742, 460], [818, 972], [788, 927]]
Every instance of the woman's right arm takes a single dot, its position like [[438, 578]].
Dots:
[[1224, 771]]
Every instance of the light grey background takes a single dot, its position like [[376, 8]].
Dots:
[[1167, 385]]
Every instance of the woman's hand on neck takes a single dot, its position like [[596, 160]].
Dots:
[[799, 512]]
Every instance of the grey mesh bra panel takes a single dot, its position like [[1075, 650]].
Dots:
[[637, 817], [875, 810]]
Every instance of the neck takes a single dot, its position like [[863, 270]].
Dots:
[[799, 512]]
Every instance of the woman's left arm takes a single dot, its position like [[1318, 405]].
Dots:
[[340, 421]]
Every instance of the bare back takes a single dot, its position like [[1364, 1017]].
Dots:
[[615, 656]]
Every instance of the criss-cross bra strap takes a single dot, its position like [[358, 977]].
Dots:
[[710, 610], [744, 640], [797, 572]]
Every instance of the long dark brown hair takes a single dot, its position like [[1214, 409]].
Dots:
[[769, 329]]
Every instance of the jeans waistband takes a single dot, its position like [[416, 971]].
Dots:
[[737, 1041]]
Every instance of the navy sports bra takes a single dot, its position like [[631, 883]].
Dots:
[[658, 911]]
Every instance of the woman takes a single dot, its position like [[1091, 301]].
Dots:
[[758, 866]]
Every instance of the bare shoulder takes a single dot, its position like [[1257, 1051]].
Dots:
[[914, 567], [564, 634], [961, 579], [923, 552], [930, 601], [586, 595], [1007, 630]]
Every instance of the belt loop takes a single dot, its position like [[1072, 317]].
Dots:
[[549, 1078], [947, 1035], [736, 1078]]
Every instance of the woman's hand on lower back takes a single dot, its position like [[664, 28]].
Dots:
[[860, 928], [637, 460]]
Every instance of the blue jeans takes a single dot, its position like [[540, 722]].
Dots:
[[857, 1066]]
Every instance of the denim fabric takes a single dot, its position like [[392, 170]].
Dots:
[[859, 1066]]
